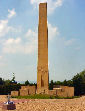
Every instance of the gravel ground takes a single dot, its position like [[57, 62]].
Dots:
[[77, 104]]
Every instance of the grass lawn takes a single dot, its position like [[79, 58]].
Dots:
[[43, 96]]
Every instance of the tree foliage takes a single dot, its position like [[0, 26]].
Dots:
[[51, 85], [27, 83], [78, 82]]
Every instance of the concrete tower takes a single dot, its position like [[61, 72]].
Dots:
[[42, 68]]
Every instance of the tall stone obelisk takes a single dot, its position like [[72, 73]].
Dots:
[[42, 68]]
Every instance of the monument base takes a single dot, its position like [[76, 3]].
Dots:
[[9, 107], [42, 91]]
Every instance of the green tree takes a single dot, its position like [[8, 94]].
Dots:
[[13, 79], [58, 83], [65, 83], [79, 83], [51, 85], [1, 81], [27, 83], [7, 82], [70, 82]]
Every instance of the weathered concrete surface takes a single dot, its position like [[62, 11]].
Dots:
[[27, 90], [14, 93], [42, 68], [64, 91], [77, 104]]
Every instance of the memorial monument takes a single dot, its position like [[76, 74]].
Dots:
[[42, 68]]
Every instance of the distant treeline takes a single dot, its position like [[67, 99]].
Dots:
[[78, 82], [6, 86]]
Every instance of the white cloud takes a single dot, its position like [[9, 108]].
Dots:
[[5, 28], [2, 64], [1, 57], [77, 48], [11, 45], [11, 13], [52, 31], [13, 41], [2, 61], [31, 47], [18, 46], [30, 44], [69, 42], [52, 4], [31, 33]]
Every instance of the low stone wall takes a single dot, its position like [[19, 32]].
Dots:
[[42, 91], [27, 90], [61, 93], [32, 90], [25, 87], [70, 91], [24, 92], [52, 92], [64, 91], [14, 93]]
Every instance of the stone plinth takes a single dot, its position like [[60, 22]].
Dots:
[[52, 92], [32, 90], [9, 107], [27, 90], [25, 87], [64, 91], [14, 93], [24, 92]]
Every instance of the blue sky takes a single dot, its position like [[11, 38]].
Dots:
[[18, 38]]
